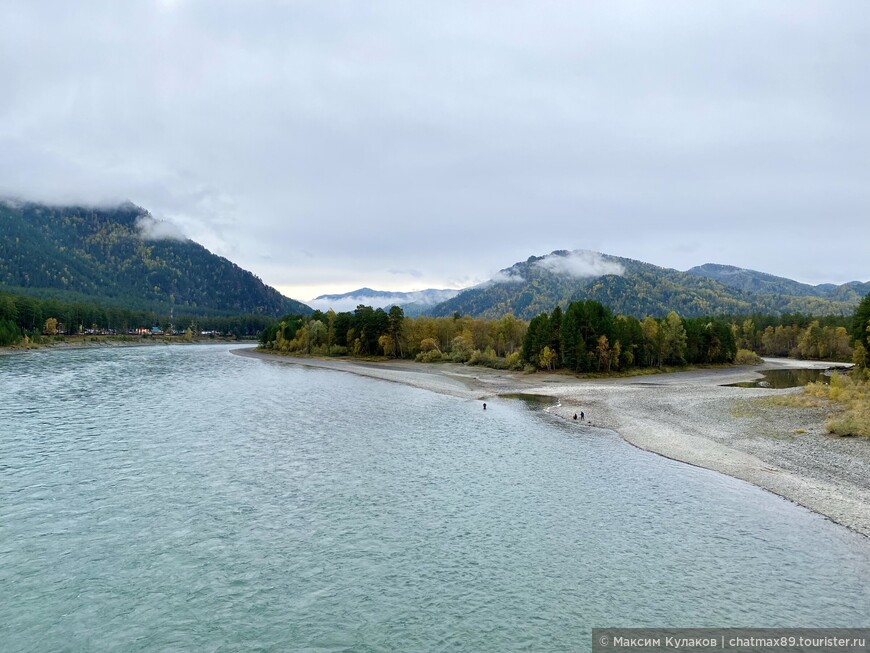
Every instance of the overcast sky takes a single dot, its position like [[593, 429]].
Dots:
[[403, 145]]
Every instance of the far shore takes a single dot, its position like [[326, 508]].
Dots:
[[86, 342], [688, 416]]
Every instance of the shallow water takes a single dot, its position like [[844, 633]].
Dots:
[[787, 378], [184, 498]]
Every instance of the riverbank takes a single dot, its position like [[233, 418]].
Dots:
[[88, 342], [687, 416]]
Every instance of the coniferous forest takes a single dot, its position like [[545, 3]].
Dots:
[[22, 316], [123, 257]]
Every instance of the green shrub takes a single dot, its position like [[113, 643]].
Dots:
[[747, 357], [460, 356], [431, 356]]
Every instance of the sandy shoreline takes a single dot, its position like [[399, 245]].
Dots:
[[686, 416]]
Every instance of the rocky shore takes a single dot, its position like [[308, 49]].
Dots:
[[688, 416]]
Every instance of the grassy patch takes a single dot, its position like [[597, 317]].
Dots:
[[848, 397], [789, 401], [854, 398]]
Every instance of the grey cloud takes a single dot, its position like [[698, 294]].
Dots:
[[452, 137]]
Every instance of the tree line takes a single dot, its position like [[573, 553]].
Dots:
[[23, 316], [584, 337], [587, 337], [367, 331]]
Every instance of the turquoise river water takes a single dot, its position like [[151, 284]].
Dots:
[[186, 499]]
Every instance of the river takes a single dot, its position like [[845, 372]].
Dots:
[[182, 498]]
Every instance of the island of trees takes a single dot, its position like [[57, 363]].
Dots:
[[585, 337]]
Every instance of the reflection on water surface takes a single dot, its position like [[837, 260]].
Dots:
[[790, 378]]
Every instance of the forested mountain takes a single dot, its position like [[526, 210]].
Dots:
[[760, 282], [119, 257], [636, 288]]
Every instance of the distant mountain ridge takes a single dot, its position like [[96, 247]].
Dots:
[[636, 288], [761, 282], [122, 256], [413, 303]]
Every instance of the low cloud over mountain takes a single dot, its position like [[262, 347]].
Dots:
[[580, 264]]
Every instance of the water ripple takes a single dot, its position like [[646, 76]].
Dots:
[[185, 499]]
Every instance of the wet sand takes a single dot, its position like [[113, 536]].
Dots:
[[687, 416]]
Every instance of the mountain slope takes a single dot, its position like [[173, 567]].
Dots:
[[627, 286], [763, 283], [111, 255]]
